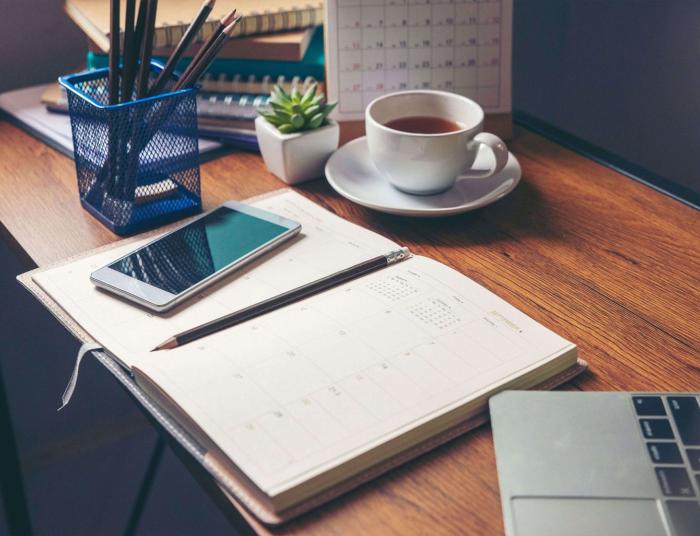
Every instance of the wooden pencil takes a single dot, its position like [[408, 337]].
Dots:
[[114, 35], [131, 61], [146, 49], [154, 122], [181, 47], [286, 298], [197, 70], [121, 187], [127, 60], [218, 29]]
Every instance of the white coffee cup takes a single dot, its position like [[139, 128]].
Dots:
[[429, 163]]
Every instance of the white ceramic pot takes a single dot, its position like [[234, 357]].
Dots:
[[296, 157]]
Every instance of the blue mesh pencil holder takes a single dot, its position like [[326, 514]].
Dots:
[[137, 162]]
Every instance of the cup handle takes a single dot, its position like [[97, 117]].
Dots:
[[499, 149]]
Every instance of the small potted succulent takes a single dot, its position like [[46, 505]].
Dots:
[[295, 135]]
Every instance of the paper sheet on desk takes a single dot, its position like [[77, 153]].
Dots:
[[24, 107]]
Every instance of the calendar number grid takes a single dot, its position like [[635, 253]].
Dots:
[[395, 45]]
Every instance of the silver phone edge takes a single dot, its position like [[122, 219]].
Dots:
[[179, 298]]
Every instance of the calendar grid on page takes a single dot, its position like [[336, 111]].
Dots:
[[380, 46]]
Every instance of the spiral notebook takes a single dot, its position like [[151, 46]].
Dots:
[[226, 106], [293, 408], [234, 97], [280, 46], [259, 17]]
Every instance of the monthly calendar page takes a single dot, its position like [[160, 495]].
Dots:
[[302, 388], [378, 46]]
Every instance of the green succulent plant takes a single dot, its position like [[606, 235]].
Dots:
[[294, 112]]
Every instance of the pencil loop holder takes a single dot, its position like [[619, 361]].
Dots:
[[137, 162]]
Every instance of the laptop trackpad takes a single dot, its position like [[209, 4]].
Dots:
[[543, 516]]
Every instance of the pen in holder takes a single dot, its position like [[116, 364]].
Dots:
[[137, 162]]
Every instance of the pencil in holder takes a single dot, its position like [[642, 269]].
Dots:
[[137, 162]]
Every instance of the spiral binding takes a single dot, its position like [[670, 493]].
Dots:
[[235, 98]]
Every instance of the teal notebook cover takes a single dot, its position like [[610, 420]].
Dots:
[[311, 65]]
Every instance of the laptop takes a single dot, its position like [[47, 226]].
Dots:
[[598, 464]]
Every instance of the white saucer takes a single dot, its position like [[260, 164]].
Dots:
[[352, 174]]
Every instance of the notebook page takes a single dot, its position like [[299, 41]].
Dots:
[[326, 244], [293, 393]]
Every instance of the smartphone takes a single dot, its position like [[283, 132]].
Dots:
[[173, 267]]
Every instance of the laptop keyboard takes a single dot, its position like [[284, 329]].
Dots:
[[670, 426]]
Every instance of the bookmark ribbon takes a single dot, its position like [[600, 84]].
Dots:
[[73, 380]]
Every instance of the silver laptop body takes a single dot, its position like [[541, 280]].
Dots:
[[598, 464]]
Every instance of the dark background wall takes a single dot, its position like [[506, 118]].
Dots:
[[621, 74], [38, 42]]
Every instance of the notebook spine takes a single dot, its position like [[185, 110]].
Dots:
[[169, 34]]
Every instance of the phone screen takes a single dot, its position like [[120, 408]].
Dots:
[[189, 255]]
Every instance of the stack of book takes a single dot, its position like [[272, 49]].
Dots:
[[278, 41]]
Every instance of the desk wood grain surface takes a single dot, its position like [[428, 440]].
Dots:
[[602, 260]]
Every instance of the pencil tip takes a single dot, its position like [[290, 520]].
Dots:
[[228, 19], [229, 29], [166, 344]]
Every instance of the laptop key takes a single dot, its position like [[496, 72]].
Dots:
[[656, 428], [693, 458], [664, 453], [686, 414], [646, 406], [685, 517], [674, 482]]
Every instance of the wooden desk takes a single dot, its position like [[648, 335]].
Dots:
[[600, 259]]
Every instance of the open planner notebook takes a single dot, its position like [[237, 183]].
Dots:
[[297, 405]]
